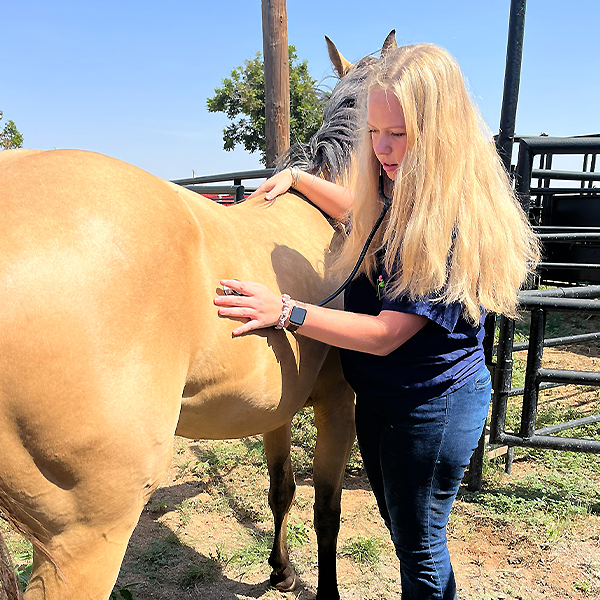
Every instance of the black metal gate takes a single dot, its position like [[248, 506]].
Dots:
[[567, 221]]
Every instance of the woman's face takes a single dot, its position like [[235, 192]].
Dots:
[[386, 124]]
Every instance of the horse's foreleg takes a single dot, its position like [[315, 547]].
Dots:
[[333, 402], [281, 494]]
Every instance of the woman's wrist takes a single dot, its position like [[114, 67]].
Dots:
[[296, 316], [296, 173], [287, 307]]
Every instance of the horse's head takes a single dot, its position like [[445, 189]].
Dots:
[[328, 152]]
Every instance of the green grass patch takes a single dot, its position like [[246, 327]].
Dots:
[[297, 533], [204, 572], [162, 553], [363, 550]]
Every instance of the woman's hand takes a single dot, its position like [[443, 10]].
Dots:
[[257, 303], [276, 185]]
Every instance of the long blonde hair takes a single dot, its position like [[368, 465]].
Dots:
[[455, 231]]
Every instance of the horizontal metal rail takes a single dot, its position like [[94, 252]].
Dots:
[[568, 425], [568, 377], [569, 237], [549, 443], [539, 302], [585, 192], [561, 145], [586, 291], [237, 191], [549, 265], [221, 189], [560, 304], [565, 175], [543, 386], [561, 341], [564, 228], [237, 175]]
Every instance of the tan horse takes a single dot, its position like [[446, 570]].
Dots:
[[110, 344]]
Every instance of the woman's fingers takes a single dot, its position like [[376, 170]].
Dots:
[[249, 326], [249, 300], [236, 287], [274, 186]]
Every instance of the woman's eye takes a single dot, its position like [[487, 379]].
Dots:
[[398, 134]]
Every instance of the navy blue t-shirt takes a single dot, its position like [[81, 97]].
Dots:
[[440, 358]]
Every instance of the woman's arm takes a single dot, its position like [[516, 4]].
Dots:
[[378, 335], [334, 200]]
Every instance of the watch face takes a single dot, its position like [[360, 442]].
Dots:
[[297, 316]]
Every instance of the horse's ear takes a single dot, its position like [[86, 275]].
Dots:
[[340, 64], [390, 43]]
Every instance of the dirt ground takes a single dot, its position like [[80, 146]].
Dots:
[[493, 559], [490, 562]]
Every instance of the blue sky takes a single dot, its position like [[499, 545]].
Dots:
[[130, 79]]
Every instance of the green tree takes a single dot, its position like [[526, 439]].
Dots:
[[10, 137], [242, 98]]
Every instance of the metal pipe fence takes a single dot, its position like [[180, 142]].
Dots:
[[226, 194]]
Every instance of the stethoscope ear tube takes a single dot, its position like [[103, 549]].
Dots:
[[387, 202]]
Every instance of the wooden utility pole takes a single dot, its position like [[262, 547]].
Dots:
[[277, 79]]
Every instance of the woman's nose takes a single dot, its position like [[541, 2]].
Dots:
[[381, 145]]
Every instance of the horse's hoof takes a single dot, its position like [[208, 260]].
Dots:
[[284, 581]]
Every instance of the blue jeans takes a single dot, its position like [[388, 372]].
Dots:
[[415, 463]]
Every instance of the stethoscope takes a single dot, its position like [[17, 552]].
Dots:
[[387, 202]]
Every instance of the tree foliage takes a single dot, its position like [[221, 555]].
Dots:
[[10, 137], [242, 98]]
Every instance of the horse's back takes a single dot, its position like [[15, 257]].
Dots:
[[107, 276]]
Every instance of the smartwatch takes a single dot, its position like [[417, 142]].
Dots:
[[296, 319]]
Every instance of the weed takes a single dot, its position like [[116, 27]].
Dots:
[[256, 552], [304, 440], [23, 571], [22, 553], [186, 510], [164, 552], [204, 572], [297, 533], [581, 586], [122, 591], [364, 550], [158, 507]]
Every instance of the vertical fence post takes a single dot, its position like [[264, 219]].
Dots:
[[534, 364], [277, 79], [512, 77]]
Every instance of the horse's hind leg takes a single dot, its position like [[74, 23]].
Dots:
[[333, 402], [80, 490], [281, 494], [85, 562]]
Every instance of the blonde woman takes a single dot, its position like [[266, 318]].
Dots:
[[453, 245]]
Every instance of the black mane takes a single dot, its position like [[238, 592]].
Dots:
[[327, 154]]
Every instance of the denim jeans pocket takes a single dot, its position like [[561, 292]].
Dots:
[[482, 379]]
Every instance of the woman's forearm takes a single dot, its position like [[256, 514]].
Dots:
[[261, 307], [373, 334], [333, 199]]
